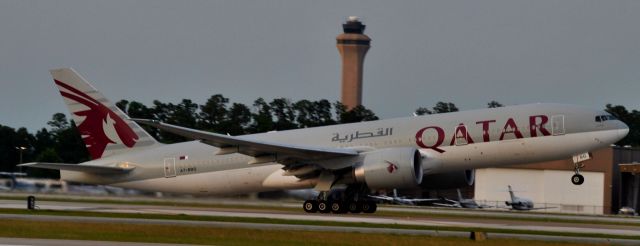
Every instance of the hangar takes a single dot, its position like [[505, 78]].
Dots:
[[612, 181]]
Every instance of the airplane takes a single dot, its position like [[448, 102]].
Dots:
[[519, 203], [395, 199], [460, 203], [17, 181], [385, 154], [12, 183]]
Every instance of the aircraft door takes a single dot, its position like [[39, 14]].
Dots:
[[557, 125], [169, 167]]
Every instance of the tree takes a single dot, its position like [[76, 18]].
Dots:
[[213, 114], [182, 114], [138, 110], [305, 115], [69, 145], [422, 111], [443, 107], [311, 114], [494, 104], [262, 119], [58, 122], [238, 119], [8, 153], [43, 140], [356, 114], [122, 105], [284, 114], [323, 113]]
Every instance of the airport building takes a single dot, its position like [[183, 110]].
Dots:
[[612, 181]]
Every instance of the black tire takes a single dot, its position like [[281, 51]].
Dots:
[[577, 179], [369, 207], [310, 206], [337, 207], [354, 207], [323, 207]]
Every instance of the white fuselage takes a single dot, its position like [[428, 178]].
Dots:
[[449, 142]]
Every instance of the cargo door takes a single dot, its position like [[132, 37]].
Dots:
[[169, 167]]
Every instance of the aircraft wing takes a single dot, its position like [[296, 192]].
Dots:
[[250, 147], [80, 167]]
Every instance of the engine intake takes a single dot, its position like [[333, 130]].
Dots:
[[390, 168]]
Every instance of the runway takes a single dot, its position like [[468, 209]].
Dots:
[[620, 228]]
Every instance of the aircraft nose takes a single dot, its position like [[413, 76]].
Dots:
[[623, 130]]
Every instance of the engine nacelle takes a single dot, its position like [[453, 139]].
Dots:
[[390, 168], [449, 180]]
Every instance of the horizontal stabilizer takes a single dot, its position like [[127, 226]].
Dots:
[[80, 168]]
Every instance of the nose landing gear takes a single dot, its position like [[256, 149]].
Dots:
[[577, 178]]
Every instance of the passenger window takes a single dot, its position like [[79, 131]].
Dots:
[[598, 119]]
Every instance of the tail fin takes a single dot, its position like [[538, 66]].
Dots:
[[105, 129], [513, 197]]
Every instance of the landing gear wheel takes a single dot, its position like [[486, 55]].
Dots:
[[310, 206], [577, 179], [323, 207], [337, 207], [354, 207], [369, 207]]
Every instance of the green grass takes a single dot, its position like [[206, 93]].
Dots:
[[302, 222], [226, 236]]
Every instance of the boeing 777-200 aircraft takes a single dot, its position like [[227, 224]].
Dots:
[[358, 157]]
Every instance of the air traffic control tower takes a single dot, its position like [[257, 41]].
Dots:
[[353, 46]]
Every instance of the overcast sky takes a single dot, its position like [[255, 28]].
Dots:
[[465, 52]]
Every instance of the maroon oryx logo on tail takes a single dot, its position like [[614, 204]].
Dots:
[[97, 117]]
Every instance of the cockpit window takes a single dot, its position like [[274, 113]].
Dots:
[[601, 118]]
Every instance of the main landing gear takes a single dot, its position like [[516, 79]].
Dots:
[[351, 200], [339, 206], [577, 178]]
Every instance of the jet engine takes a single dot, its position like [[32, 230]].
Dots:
[[449, 180], [390, 168]]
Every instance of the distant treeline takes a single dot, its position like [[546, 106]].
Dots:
[[61, 142]]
